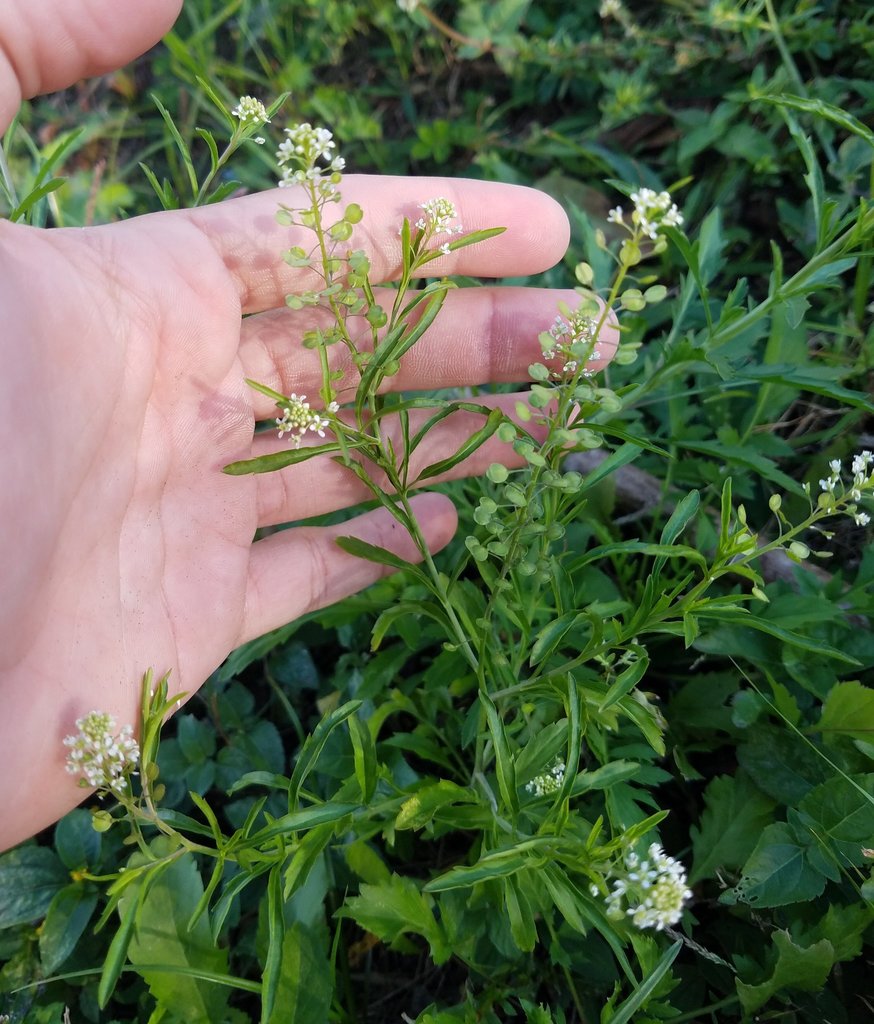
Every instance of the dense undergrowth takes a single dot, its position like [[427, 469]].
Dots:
[[434, 872]]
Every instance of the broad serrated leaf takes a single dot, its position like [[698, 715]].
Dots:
[[394, 908], [304, 989], [795, 967], [848, 710], [30, 878], [735, 814], [840, 814], [66, 919], [777, 873], [162, 938]]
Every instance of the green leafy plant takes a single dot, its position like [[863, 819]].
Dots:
[[428, 800]]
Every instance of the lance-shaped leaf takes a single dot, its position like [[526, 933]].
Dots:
[[475, 441]]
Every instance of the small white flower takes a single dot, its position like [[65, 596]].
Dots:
[[298, 156], [103, 758], [570, 340], [835, 466], [439, 215], [549, 782], [615, 216], [651, 892], [298, 418], [408, 6], [249, 109], [654, 211], [861, 518], [861, 463]]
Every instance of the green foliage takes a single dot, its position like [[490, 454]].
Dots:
[[358, 822]]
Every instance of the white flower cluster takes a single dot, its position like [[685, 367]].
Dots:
[[652, 212], [299, 155], [609, 9], [408, 6], [862, 468], [652, 892], [298, 418], [439, 213], [102, 757], [249, 109], [549, 782], [568, 339]]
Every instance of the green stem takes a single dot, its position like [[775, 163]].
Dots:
[[697, 1015], [226, 154], [794, 74], [568, 977], [8, 183]]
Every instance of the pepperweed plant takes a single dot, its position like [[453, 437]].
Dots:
[[546, 693]]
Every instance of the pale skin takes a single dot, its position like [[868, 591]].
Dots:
[[123, 545]]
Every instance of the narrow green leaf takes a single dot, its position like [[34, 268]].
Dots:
[[313, 746], [298, 821], [34, 197], [398, 342], [271, 780], [371, 552], [565, 897], [211, 819], [275, 936], [217, 102], [639, 998], [181, 145], [522, 926], [211, 145], [280, 460], [606, 776], [503, 760], [726, 509], [475, 441], [742, 617], [164, 192], [628, 452], [486, 868], [364, 757], [626, 681], [820, 108], [552, 634], [117, 953], [683, 513]]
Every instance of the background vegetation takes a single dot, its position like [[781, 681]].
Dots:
[[757, 741]]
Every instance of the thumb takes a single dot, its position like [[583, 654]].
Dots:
[[49, 44]]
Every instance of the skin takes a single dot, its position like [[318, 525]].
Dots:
[[123, 545]]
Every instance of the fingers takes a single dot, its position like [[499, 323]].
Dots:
[[49, 44], [248, 238], [279, 563], [321, 485], [481, 335]]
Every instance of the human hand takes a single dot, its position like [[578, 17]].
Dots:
[[125, 350]]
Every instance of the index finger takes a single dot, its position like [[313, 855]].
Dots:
[[250, 241]]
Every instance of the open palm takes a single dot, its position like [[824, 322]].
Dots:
[[126, 349]]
